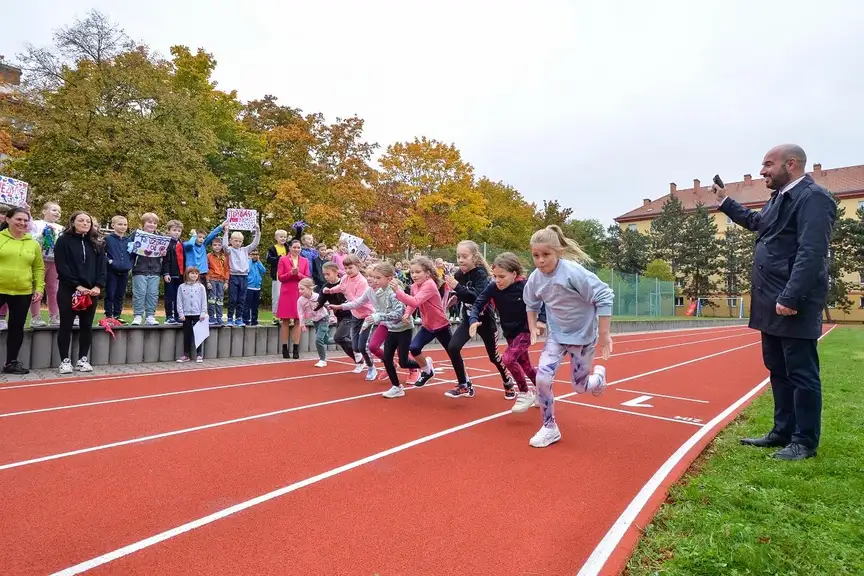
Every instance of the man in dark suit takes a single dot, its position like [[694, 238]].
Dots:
[[788, 292]]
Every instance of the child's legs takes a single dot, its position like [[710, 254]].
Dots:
[[403, 344], [171, 298], [189, 335], [359, 341], [423, 337], [233, 290], [36, 307], [517, 348], [253, 304], [581, 358], [120, 293], [342, 337], [488, 332], [152, 295], [550, 360], [242, 285], [217, 296], [139, 293], [391, 343], [110, 294], [379, 335], [322, 333], [454, 351], [275, 289]]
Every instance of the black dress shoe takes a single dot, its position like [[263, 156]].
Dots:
[[770, 440], [795, 451]]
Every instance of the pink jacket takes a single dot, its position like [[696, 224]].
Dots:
[[306, 309], [353, 289], [425, 296]]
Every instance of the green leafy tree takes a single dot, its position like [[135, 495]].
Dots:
[[590, 235], [666, 233], [699, 257], [843, 260], [626, 251], [553, 213], [660, 270], [511, 217], [736, 261]]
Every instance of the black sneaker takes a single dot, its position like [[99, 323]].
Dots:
[[15, 368], [424, 378], [461, 391], [509, 391]]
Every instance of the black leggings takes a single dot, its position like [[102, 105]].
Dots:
[[19, 305], [342, 337], [400, 341], [67, 319], [488, 332], [189, 336]]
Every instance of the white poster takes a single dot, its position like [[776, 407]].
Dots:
[[355, 245], [242, 219], [150, 245], [13, 192]]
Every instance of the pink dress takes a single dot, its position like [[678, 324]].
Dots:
[[290, 292]]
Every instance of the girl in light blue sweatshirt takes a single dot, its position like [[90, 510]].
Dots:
[[578, 318]]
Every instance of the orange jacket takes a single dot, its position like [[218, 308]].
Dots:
[[218, 267]]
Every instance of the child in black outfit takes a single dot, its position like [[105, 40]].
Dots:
[[343, 327]]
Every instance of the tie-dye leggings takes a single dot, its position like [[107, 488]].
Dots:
[[581, 358]]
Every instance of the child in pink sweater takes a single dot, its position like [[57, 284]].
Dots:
[[353, 285], [425, 296]]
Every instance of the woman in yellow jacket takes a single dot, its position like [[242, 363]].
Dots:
[[22, 281]]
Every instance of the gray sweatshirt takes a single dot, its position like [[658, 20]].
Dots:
[[388, 310], [238, 258], [192, 300]]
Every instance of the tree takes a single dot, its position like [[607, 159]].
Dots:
[[445, 205], [699, 257], [590, 235], [660, 270], [736, 261], [666, 233], [842, 261], [511, 217], [626, 251], [553, 213]]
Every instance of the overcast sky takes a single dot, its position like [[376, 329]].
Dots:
[[595, 103]]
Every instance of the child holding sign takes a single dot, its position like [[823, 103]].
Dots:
[[238, 267]]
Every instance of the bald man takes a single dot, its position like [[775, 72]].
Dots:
[[788, 292]]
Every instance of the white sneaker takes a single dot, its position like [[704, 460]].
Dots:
[[359, 368], [371, 373], [3, 325], [545, 436], [199, 359], [358, 358], [394, 392], [37, 323], [524, 401], [66, 366], [83, 365], [321, 364], [151, 321], [597, 381], [136, 321]]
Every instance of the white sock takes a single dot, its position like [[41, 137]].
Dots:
[[428, 369]]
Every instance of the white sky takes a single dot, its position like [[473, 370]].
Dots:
[[595, 103]]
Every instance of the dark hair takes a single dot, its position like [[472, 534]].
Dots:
[[294, 241], [11, 214], [92, 234], [509, 262]]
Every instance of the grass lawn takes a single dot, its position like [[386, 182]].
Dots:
[[738, 512]]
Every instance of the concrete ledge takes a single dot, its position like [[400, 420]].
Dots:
[[137, 344]]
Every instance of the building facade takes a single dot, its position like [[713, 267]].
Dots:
[[847, 184]]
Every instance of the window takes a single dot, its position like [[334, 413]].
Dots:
[[631, 227], [861, 301], [860, 204], [679, 301], [732, 302]]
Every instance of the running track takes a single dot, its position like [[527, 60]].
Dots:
[[282, 468]]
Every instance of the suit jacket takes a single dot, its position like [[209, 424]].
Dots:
[[790, 264]]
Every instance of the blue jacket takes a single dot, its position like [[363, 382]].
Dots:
[[790, 262], [197, 255], [256, 273], [117, 254]]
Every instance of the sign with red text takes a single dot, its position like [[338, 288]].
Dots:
[[13, 192], [242, 219]]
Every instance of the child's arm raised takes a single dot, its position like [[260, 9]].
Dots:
[[256, 237]]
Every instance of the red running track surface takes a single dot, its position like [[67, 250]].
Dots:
[[321, 475]]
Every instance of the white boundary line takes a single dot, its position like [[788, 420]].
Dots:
[[168, 534], [598, 558], [663, 395], [150, 373]]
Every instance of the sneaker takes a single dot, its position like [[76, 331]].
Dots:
[[461, 391], [171, 321], [183, 359], [66, 366], [358, 358], [371, 373], [3, 325], [151, 321], [83, 365], [37, 323], [545, 436], [358, 368], [199, 359], [136, 321], [239, 323], [54, 320], [510, 390], [524, 401], [76, 321], [413, 375], [424, 378], [15, 367], [321, 364], [394, 392], [597, 381], [382, 375]]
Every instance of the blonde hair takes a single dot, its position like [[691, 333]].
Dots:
[[351, 259], [568, 249], [384, 269], [308, 283], [429, 267], [149, 217], [510, 262], [237, 234], [472, 246], [189, 270]]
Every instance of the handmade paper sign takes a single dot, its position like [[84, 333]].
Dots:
[[355, 245], [13, 192], [150, 245], [242, 219]]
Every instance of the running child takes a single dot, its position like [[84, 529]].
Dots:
[[579, 314], [425, 296], [353, 284], [471, 279], [319, 318], [344, 319], [191, 308], [505, 292]]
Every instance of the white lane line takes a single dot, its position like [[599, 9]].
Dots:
[[643, 414], [598, 558], [174, 393], [620, 338], [663, 395], [168, 534]]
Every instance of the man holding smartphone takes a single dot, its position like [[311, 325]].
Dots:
[[788, 293]]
